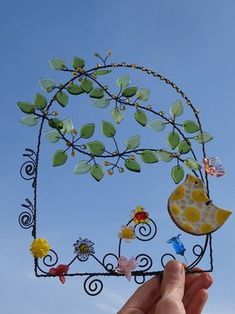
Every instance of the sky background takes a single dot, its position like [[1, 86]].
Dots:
[[191, 43]]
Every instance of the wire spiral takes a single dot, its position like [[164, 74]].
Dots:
[[146, 231], [93, 286], [26, 218]]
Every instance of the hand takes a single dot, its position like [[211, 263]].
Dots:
[[176, 293]]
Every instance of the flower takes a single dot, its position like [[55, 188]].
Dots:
[[40, 247], [84, 248], [126, 267], [127, 233], [60, 271], [139, 215]]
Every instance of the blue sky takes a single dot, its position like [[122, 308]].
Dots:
[[191, 43]]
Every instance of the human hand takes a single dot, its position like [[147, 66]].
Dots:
[[176, 293]]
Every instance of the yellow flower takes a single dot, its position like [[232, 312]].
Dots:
[[40, 247], [127, 233]]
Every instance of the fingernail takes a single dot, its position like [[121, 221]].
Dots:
[[174, 268]]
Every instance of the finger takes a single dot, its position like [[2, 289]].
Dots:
[[197, 304], [144, 297], [204, 281], [173, 280]]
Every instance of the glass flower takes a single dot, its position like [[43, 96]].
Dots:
[[59, 271], [84, 248], [40, 247], [139, 215], [127, 233], [126, 266], [178, 246]]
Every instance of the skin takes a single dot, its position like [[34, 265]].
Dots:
[[175, 293]]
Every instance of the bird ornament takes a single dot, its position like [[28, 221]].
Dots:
[[191, 209]]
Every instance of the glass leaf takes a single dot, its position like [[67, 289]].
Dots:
[[133, 142], [97, 148], [129, 91], [123, 81], [102, 72], [157, 125], [143, 94], [203, 138], [29, 120], [177, 174], [132, 165], [97, 93], [141, 117], [55, 123], [190, 126], [67, 125], [177, 109], [52, 136], [57, 64], [82, 167], [117, 115], [74, 89], [149, 157], [62, 98], [87, 130], [47, 85], [164, 155], [60, 157], [40, 101], [101, 103], [86, 85], [108, 129], [192, 164], [78, 63], [26, 107], [184, 147], [97, 172], [173, 139]]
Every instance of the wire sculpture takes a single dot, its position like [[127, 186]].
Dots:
[[140, 226]]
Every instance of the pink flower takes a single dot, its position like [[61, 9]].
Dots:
[[126, 266], [60, 271]]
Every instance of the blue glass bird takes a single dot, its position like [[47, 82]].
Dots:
[[178, 246]]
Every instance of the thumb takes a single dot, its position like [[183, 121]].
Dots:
[[173, 281]]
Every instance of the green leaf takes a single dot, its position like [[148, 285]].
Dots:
[[60, 157], [108, 129], [82, 167], [157, 125], [52, 136], [101, 103], [133, 142], [29, 120], [177, 174], [87, 130], [177, 109], [78, 63], [190, 126], [141, 117], [165, 156], [102, 72], [57, 64], [203, 138], [97, 148], [55, 123], [123, 81], [40, 101], [117, 115], [143, 94], [132, 165], [192, 164], [149, 156], [97, 93], [47, 85], [129, 91], [74, 89], [173, 139], [62, 98], [184, 147], [26, 107], [86, 85], [67, 126], [97, 172]]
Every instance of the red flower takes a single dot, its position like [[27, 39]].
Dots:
[[60, 271], [139, 215]]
